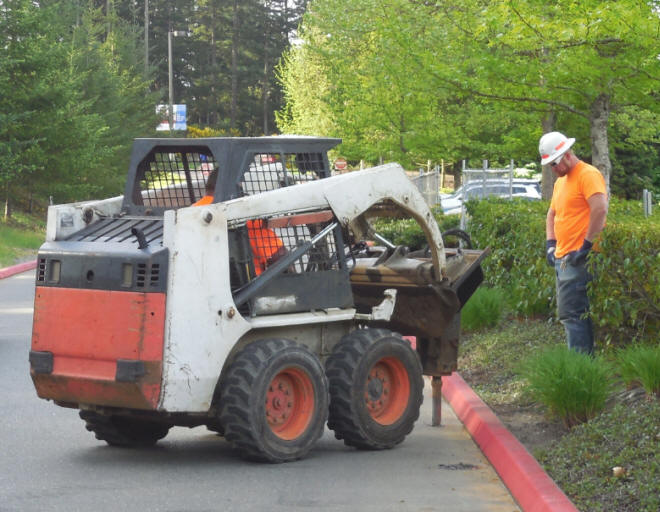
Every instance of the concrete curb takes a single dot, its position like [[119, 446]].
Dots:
[[17, 269], [528, 483]]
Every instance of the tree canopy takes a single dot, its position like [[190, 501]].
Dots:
[[80, 79], [404, 80], [412, 79]]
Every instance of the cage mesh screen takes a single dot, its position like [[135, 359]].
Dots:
[[268, 171], [175, 179], [270, 244]]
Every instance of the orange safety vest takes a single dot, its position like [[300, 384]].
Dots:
[[265, 244], [204, 200]]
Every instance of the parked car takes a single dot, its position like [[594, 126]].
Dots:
[[523, 188]]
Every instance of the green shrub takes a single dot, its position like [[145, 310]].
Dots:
[[640, 364], [407, 232], [515, 232], [625, 300], [573, 386], [483, 309]]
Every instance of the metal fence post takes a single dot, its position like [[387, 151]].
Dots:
[[647, 200], [483, 178], [511, 179]]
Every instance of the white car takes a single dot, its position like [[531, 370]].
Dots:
[[524, 188]]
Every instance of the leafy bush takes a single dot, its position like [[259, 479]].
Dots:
[[407, 232], [640, 364], [573, 386], [626, 297], [483, 309], [515, 232]]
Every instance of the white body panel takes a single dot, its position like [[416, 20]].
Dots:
[[65, 219], [198, 339], [200, 329]]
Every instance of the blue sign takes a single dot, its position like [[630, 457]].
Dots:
[[179, 117]]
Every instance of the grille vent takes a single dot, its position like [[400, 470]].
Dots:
[[155, 274], [41, 270], [141, 275]]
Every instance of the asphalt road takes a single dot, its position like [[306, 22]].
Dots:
[[49, 462]]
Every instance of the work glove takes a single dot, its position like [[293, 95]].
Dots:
[[550, 246], [578, 257]]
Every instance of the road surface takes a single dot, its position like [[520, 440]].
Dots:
[[49, 461]]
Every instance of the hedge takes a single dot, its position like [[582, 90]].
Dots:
[[625, 297]]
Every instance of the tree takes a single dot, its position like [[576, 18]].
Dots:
[[581, 59], [34, 88], [512, 65]]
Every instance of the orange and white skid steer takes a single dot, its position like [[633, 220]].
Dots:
[[262, 315]]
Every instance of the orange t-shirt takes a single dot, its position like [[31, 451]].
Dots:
[[204, 200], [264, 242], [569, 201]]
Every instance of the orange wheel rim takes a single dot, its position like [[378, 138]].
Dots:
[[289, 403], [387, 391]]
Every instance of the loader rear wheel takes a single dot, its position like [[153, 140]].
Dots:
[[124, 431], [274, 401], [376, 389]]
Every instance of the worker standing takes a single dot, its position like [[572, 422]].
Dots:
[[576, 217]]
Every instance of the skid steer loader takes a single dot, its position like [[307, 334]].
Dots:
[[152, 313]]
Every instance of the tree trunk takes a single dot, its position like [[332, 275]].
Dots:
[[264, 93], [7, 213], [547, 176], [234, 67], [600, 149], [213, 118]]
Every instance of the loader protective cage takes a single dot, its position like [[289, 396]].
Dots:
[[172, 173], [313, 275]]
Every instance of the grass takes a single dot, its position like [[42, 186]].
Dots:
[[573, 386], [581, 459], [484, 309], [492, 357], [627, 436], [20, 236], [640, 365]]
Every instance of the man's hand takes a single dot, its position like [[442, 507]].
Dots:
[[550, 246], [578, 257]]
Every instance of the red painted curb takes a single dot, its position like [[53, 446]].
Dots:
[[17, 269], [528, 483]]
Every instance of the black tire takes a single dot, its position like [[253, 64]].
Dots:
[[376, 389], [274, 401], [464, 239], [124, 431]]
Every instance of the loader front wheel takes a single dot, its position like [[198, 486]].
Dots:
[[376, 389], [274, 401], [124, 431]]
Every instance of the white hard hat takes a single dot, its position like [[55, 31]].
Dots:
[[553, 145]]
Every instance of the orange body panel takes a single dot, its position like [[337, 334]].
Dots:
[[87, 331]]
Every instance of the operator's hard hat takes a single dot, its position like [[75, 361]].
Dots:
[[553, 145]]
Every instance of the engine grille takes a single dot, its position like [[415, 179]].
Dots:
[[120, 231]]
